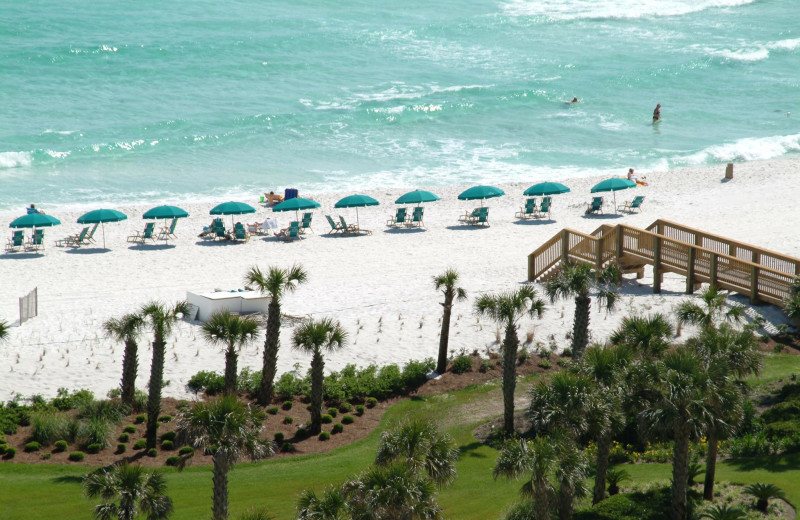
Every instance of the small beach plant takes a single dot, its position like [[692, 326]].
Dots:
[[447, 282], [3, 330], [127, 329], [648, 335], [127, 491], [275, 283], [233, 332], [763, 493], [709, 311], [507, 309], [317, 337]]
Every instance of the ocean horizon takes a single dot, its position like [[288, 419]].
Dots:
[[107, 103]]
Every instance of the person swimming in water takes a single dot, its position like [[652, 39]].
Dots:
[[657, 113], [574, 100]]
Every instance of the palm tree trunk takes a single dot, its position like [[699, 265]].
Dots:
[[130, 363], [580, 329], [541, 498], [510, 345], [154, 395], [603, 451], [271, 346], [444, 338], [711, 465], [219, 506], [231, 359], [680, 469], [565, 499], [317, 377], [127, 507]]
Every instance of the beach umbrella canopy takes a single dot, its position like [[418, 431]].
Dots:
[[34, 220], [546, 188], [356, 201], [481, 192], [296, 204], [613, 185], [417, 197], [101, 216], [165, 212], [232, 208]]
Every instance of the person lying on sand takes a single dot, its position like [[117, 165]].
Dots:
[[272, 198]]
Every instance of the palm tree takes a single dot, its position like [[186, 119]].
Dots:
[[233, 332], [3, 330], [730, 355], [422, 447], [615, 477], [647, 335], [315, 337], [392, 492], [161, 320], [133, 487], [763, 493], [710, 312], [274, 283], [447, 283], [724, 512], [508, 308], [331, 505], [229, 429], [127, 329], [792, 303], [578, 281]]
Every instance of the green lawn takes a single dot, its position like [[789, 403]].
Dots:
[[53, 492], [777, 366]]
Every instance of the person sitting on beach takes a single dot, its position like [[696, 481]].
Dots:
[[32, 210], [632, 178], [273, 199], [657, 113]]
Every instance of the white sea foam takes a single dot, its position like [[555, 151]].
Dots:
[[745, 52], [787, 45], [59, 132], [14, 159], [57, 155], [592, 9], [747, 149]]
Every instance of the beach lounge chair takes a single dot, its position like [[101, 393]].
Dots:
[[594, 206], [335, 228], [306, 223], [635, 204], [89, 238], [147, 234], [398, 219], [219, 230], [483, 217], [168, 232], [352, 228], [544, 208], [416, 217], [469, 217], [291, 232], [76, 240], [239, 233], [528, 211], [36, 242], [16, 242]]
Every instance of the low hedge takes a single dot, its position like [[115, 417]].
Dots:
[[76, 456]]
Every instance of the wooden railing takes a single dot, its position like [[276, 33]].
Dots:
[[769, 281]]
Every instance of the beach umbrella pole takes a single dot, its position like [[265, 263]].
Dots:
[[358, 223]]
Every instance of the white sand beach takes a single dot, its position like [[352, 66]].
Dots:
[[378, 286]]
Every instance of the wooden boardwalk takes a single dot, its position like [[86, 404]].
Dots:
[[701, 257]]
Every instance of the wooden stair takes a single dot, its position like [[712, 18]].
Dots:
[[670, 247]]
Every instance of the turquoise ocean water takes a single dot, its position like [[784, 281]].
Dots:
[[116, 102]]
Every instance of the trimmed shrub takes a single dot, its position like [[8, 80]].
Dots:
[[205, 381], [169, 436], [152, 452], [278, 437], [338, 428], [76, 456], [173, 460], [140, 419], [371, 402], [60, 446], [140, 444], [360, 409], [124, 437], [32, 446], [164, 418], [786, 411], [486, 365], [415, 373], [345, 408], [348, 419], [289, 385], [272, 410], [287, 447], [129, 429], [288, 420], [461, 364], [186, 450], [544, 363], [9, 452], [324, 436], [121, 448], [93, 448], [780, 429], [287, 405], [46, 456], [301, 433], [333, 412], [167, 445], [326, 419]]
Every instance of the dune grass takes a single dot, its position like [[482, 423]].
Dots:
[[53, 491]]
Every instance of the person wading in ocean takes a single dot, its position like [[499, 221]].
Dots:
[[657, 113]]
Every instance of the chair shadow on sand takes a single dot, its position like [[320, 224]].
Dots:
[[466, 227], [20, 255], [88, 251], [404, 231], [534, 222], [607, 216], [151, 247]]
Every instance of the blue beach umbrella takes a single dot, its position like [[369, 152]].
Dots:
[[613, 185], [480, 193], [546, 188], [417, 197], [356, 201], [101, 216]]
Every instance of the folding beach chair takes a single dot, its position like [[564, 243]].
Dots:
[[398, 219], [528, 211]]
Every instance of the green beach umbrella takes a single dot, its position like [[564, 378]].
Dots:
[[101, 216], [356, 201], [417, 197], [613, 185], [165, 212], [546, 188], [481, 192], [232, 208], [296, 204], [34, 220]]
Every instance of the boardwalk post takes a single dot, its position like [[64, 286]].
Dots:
[[620, 242], [690, 270], [565, 245], [531, 266], [754, 272], [598, 261], [657, 264], [713, 270]]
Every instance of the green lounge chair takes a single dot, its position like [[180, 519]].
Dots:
[[16, 242], [75, 240], [36, 242], [469, 217], [416, 217], [595, 206], [290, 233], [89, 238], [168, 232], [306, 223], [219, 231], [483, 217], [147, 234], [398, 219], [352, 228], [528, 211], [240, 233], [544, 208], [635, 204], [335, 228]]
